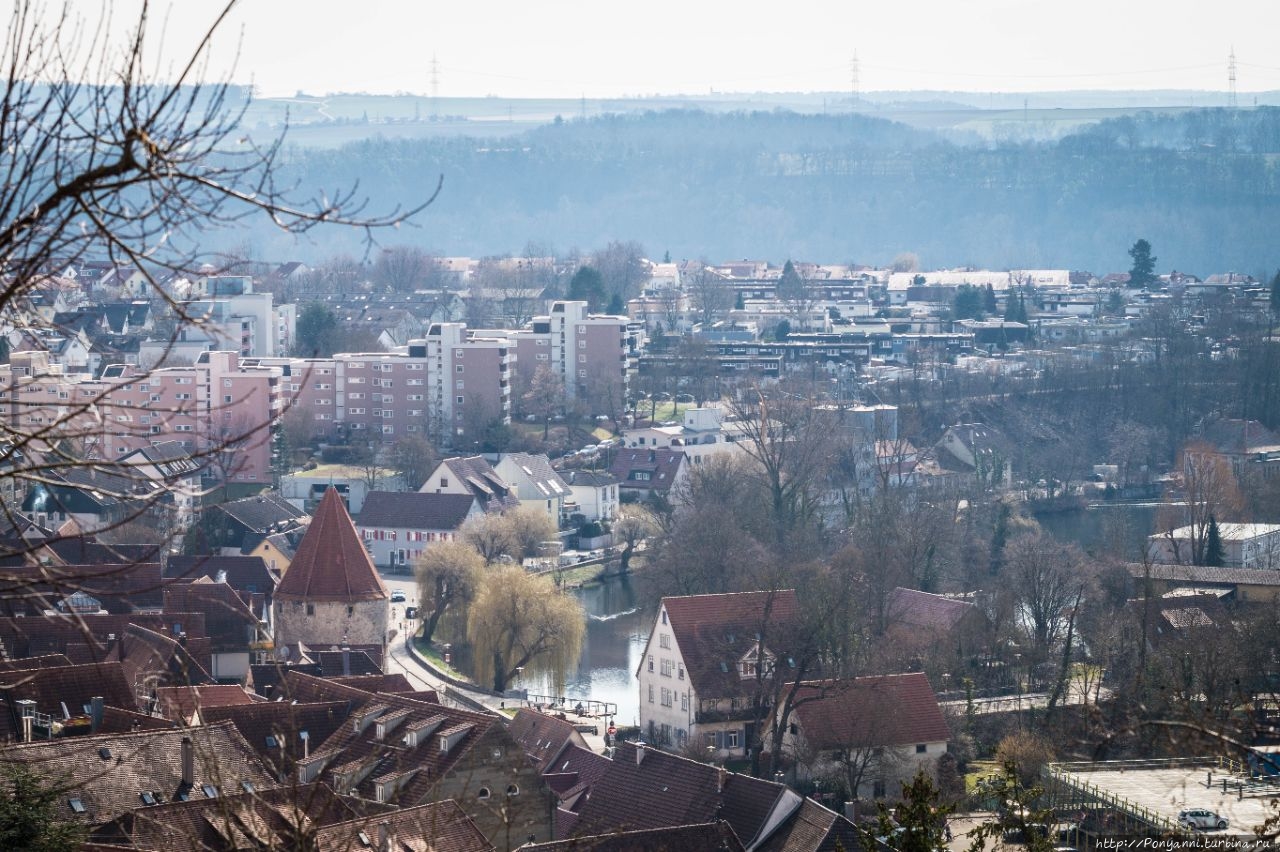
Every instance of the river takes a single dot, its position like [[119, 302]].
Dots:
[[617, 626]]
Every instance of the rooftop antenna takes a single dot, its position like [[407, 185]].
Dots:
[[1231, 79], [435, 88]]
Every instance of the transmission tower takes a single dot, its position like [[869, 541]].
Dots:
[[853, 71], [435, 88], [1231, 79]]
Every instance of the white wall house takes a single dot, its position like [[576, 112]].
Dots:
[[698, 675]]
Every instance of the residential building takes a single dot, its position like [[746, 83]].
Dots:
[[876, 731], [1249, 546], [474, 477], [589, 353], [397, 527], [331, 593], [594, 494], [698, 674], [537, 484], [650, 474]]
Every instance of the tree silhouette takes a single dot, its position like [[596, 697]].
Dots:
[[1142, 273]]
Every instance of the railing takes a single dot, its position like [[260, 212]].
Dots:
[[1063, 774]]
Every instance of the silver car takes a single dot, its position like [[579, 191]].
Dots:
[[1201, 818]]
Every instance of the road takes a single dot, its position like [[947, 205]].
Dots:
[[1076, 694]]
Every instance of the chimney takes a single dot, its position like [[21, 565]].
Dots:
[[722, 775], [384, 836], [851, 812], [95, 713], [188, 762], [639, 754], [346, 662]]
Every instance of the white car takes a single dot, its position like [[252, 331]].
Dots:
[[1201, 818]]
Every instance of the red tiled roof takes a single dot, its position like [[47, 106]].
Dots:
[[663, 789], [713, 632], [885, 710], [331, 563], [181, 702], [918, 609], [51, 688], [543, 737]]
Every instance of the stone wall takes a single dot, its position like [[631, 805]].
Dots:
[[326, 623]]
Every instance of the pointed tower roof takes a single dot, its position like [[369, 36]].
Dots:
[[331, 563]]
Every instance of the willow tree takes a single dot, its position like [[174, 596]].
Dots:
[[521, 621]]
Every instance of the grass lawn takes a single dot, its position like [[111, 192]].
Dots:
[[979, 769], [436, 656]]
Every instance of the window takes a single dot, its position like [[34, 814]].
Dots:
[[684, 701], [680, 669], [664, 640], [459, 368], [921, 748], [666, 668], [664, 616], [651, 664], [513, 790], [461, 399], [482, 793], [311, 609], [582, 344], [247, 786], [148, 798], [352, 610], [650, 693], [666, 697], [730, 739], [711, 741], [77, 806], [460, 384], [747, 668]]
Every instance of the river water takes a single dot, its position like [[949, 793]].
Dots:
[[618, 624]]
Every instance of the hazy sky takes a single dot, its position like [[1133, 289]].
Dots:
[[598, 48]]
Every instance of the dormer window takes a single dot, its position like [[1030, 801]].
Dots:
[[747, 668]]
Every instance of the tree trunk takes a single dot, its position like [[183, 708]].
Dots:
[[499, 674], [624, 562]]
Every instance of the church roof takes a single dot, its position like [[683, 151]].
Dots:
[[331, 563]]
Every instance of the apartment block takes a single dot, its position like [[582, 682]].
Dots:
[[590, 353]]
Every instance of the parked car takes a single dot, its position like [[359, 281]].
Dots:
[[397, 596], [1201, 818]]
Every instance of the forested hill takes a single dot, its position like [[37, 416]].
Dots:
[[1201, 186]]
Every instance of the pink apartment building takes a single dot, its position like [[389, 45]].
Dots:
[[589, 352]]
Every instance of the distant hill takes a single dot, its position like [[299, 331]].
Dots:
[[1201, 185]]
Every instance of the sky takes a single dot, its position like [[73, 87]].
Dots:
[[599, 48]]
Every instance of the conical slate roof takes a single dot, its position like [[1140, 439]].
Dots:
[[331, 563]]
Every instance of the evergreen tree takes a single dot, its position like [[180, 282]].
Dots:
[[587, 285], [989, 301], [790, 286], [1011, 306], [967, 303], [1275, 293], [315, 332], [740, 305], [1142, 274], [30, 813], [1214, 554], [615, 305]]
